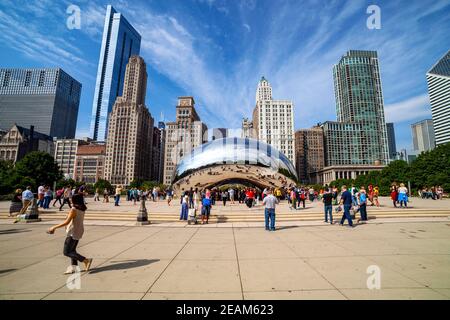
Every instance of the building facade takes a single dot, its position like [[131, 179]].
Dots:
[[157, 152], [65, 155], [438, 79], [19, 141], [392, 146], [120, 42], [130, 130], [247, 129], [90, 163], [359, 99], [273, 120], [47, 99], [183, 135], [423, 135], [310, 154]]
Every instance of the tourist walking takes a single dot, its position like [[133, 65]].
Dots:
[[293, 199], [376, 192], [48, 194], [363, 204], [184, 208], [270, 202], [403, 196], [41, 194], [169, 195], [335, 195], [97, 195], [346, 201], [394, 195], [231, 193], [58, 195], [224, 196], [206, 209], [74, 224], [117, 195], [327, 199], [311, 194], [302, 198], [105, 195], [66, 198], [16, 203]]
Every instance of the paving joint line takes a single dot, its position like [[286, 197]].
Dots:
[[167, 266]]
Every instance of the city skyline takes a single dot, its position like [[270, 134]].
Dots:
[[187, 57]]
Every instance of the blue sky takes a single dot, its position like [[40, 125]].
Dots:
[[217, 50]]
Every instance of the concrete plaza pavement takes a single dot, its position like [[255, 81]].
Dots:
[[309, 260]]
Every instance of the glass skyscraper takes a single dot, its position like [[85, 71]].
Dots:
[[359, 99], [120, 42], [47, 99], [438, 79], [392, 146]]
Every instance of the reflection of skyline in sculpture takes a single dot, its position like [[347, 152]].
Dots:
[[234, 159]]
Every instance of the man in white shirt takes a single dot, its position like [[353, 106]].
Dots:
[[270, 202]]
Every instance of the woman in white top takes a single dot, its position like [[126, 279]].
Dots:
[[75, 228], [403, 195]]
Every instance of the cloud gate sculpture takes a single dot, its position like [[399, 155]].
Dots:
[[231, 161]]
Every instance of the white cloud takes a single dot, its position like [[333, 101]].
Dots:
[[411, 109]]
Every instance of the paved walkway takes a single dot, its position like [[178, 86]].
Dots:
[[295, 262]]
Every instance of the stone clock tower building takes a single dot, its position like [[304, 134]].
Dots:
[[183, 135]]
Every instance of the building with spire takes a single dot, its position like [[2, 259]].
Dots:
[[273, 120]]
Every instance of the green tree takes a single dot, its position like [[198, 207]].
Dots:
[[36, 168], [6, 174], [432, 168], [102, 184]]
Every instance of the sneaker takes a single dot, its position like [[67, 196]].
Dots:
[[70, 270], [87, 264]]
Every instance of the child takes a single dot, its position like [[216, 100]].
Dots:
[[75, 230]]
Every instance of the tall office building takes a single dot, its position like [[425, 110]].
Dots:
[[65, 155], [157, 152], [392, 147], [357, 142], [438, 79], [359, 98], [120, 42], [183, 135], [47, 99], [162, 149], [273, 120], [130, 130], [310, 154], [423, 135]]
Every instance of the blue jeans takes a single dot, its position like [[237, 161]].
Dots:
[[184, 211], [269, 214], [347, 215], [47, 200], [329, 211], [363, 212], [116, 200]]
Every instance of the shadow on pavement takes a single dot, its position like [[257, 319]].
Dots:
[[123, 265], [11, 231], [7, 270]]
